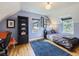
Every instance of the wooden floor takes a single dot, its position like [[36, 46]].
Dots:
[[26, 50], [21, 50]]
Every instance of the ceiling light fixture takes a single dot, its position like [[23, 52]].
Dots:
[[48, 5]]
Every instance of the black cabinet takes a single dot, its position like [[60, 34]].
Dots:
[[22, 29]]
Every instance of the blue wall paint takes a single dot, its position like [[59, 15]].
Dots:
[[76, 30], [14, 30], [3, 26], [40, 31]]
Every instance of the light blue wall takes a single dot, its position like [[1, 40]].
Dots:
[[76, 30], [14, 30]]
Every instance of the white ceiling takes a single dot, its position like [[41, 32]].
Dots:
[[39, 7]]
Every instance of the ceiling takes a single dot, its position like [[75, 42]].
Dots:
[[39, 7]]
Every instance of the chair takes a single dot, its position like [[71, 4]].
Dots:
[[4, 41]]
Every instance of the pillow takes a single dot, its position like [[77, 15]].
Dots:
[[56, 37], [3, 35]]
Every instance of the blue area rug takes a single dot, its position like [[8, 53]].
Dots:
[[42, 48]]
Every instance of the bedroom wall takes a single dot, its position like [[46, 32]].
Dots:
[[8, 8], [11, 11], [32, 36], [72, 11]]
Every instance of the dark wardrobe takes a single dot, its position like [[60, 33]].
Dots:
[[22, 29]]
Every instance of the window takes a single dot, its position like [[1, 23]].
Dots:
[[68, 25], [35, 25]]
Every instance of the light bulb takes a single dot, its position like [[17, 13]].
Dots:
[[48, 6]]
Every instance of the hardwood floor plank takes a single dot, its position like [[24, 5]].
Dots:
[[21, 50]]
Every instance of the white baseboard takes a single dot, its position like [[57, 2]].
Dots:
[[33, 39]]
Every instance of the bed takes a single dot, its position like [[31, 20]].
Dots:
[[68, 43]]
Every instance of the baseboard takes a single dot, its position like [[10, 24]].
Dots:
[[33, 39]]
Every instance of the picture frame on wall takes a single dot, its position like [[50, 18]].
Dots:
[[10, 23]]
